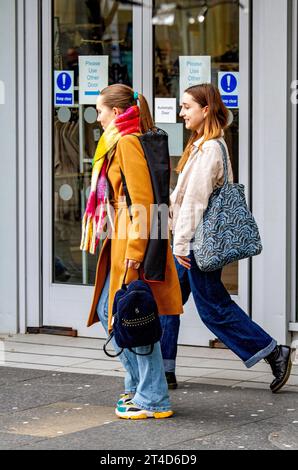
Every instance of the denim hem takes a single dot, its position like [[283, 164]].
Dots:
[[150, 408], [261, 354], [131, 392], [169, 365]]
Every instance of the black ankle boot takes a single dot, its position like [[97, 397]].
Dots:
[[281, 364], [171, 380]]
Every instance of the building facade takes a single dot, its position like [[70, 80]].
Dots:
[[55, 54]]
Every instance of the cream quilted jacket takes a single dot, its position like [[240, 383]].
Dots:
[[202, 174]]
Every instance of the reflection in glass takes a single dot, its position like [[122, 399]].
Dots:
[[90, 27], [215, 33]]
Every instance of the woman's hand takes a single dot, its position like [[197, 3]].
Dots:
[[184, 261], [131, 263]]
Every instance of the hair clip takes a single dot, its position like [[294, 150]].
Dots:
[[136, 96]]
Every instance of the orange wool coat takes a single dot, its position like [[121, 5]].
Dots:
[[129, 156]]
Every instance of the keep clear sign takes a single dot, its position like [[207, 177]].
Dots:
[[64, 81], [194, 70], [228, 84], [94, 76]]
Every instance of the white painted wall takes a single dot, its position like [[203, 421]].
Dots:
[[8, 174], [270, 104]]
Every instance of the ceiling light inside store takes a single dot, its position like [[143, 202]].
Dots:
[[202, 14], [166, 20], [165, 15], [191, 20]]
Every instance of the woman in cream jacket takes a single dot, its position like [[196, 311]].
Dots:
[[200, 173]]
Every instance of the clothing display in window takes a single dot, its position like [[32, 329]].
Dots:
[[66, 167]]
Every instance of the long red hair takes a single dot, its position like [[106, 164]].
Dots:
[[215, 121]]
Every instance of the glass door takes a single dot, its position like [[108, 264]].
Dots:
[[82, 32], [196, 42], [93, 43]]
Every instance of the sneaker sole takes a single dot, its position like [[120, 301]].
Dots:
[[155, 415], [287, 375]]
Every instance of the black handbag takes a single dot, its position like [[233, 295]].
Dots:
[[135, 318]]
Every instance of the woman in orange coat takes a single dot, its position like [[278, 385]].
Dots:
[[124, 248]]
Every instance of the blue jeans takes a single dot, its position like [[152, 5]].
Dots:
[[170, 325], [145, 375], [220, 314]]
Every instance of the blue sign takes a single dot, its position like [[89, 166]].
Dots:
[[64, 90], [228, 84], [64, 81], [230, 101]]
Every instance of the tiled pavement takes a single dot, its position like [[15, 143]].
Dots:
[[59, 393], [85, 356]]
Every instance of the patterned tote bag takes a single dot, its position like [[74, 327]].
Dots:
[[228, 231]]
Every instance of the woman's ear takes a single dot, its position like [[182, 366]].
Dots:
[[205, 111], [117, 111]]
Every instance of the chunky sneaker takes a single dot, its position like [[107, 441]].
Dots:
[[171, 380], [281, 365], [124, 398], [131, 411]]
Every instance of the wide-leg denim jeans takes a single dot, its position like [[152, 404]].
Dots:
[[145, 375], [220, 314]]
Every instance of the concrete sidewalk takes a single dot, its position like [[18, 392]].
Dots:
[[60, 392]]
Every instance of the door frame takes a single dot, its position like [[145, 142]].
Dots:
[[293, 172], [29, 138]]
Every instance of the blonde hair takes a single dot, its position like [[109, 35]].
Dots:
[[123, 97], [215, 121]]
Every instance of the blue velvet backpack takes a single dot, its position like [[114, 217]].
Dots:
[[228, 231], [135, 318]]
